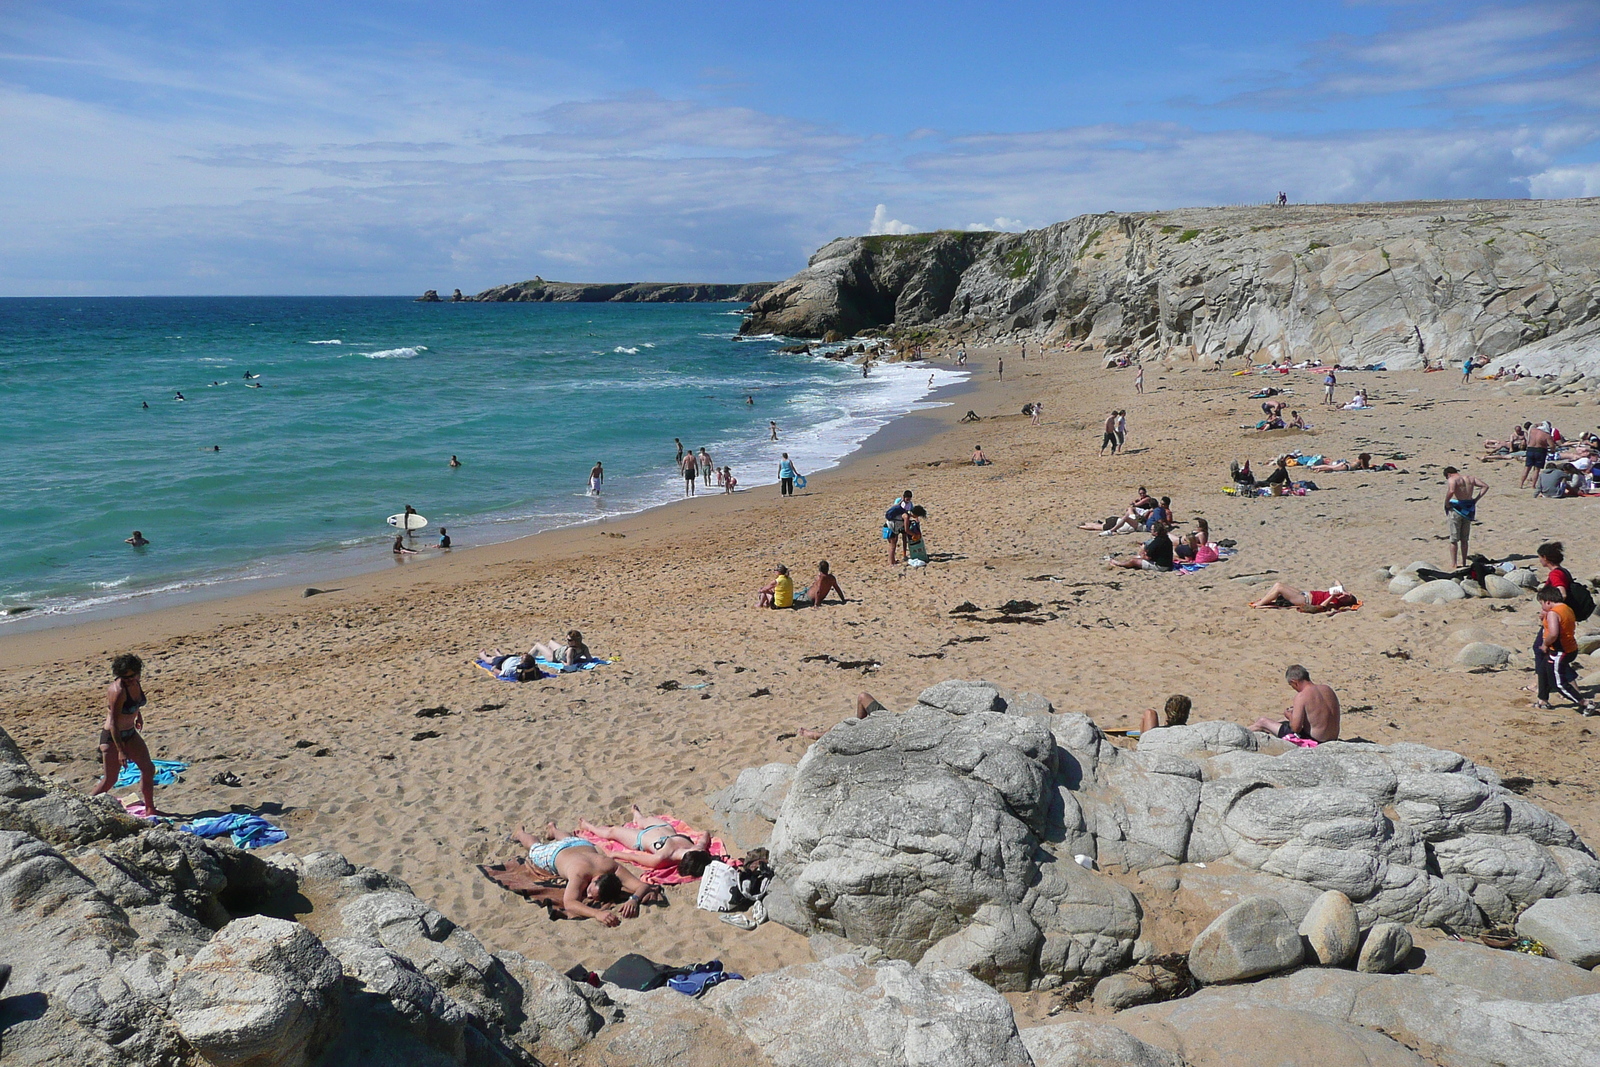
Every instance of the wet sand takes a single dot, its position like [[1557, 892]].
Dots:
[[314, 702]]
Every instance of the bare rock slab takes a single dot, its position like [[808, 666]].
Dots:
[[1568, 927]]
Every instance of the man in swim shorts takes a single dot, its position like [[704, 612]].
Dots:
[[592, 877], [691, 468], [1314, 714], [1540, 442], [1461, 495]]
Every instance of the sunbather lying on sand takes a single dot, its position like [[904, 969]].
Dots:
[[511, 667], [866, 704], [1311, 601], [568, 653], [1363, 463], [592, 877], [656, 844]]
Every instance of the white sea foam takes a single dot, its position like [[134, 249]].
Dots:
[[335, 341], [397, 353], [628, 351]]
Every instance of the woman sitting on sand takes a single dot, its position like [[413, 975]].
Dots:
[[1177, 714], [978, 458], [1359, 402], [1311, 602], [653, 842], [570, 653], [1297, 423], [1278, 480]]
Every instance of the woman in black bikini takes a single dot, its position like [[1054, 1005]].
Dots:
[[119, 737]]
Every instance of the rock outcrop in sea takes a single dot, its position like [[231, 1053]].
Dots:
[[540, 291], [1356, 284]]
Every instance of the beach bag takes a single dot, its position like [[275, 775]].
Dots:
[[888, 531], [1578, 597], [640, 973], [717, 887]]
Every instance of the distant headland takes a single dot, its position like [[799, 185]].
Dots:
[[537, 290]]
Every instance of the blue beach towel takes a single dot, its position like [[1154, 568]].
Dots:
[[587, 665], [249, 831], [167, 772]]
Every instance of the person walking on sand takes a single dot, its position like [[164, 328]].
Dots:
[[1329, 380], [1000, 368], [706, 468], [597, 478], [1038, 410], [691, 470], [786, 476], [1466, 371], [1122, 430], [120, 741], [1314, 715], [1110, 435], [898, 517], [1138, 380], [773, 426], [1559, 638], [1461, 495]]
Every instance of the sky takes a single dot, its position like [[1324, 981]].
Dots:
[[176, 147]]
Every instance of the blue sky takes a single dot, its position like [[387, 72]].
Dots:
[[347, 147]]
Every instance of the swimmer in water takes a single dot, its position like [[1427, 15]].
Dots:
[[748, 399], [137, 540], [253, 385], [454, 462], [145, 404], [248, 376], [177, 396]]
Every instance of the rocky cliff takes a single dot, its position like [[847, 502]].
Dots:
[[1354, 283], [540, 291]]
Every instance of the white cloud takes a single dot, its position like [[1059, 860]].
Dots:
[[882, 223], [1562, 182]]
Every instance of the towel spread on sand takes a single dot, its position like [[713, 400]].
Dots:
[[134, 806], [248, 831], [669, 875], [587, 665], [167, 772], [517, 876]]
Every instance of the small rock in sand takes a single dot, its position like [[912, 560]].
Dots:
[[1484, 654]]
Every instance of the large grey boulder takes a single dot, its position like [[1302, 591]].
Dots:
[[1213, 736], [1091, 1043], [61, 817], [750, 805], [1500, 587], [1331, 930], [1385, 949], [664, 1028], [1252, 938], [1568, 927], [262, 993], [844, 1012], [923, 833], [1484, 654], [1439, 591]]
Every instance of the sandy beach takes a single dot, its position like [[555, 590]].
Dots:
[[314, 702]]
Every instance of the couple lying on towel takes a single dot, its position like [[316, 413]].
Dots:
[[555, 655], [668, 850]]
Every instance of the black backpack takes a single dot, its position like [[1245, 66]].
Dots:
[[1577, 595]]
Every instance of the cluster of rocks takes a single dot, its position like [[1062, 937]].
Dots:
[[980, 842], [1353, 284], [982, 832]]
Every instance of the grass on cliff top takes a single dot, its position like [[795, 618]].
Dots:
[[879, 243], [1188, 235]]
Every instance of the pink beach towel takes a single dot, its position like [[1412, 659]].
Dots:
[[134, 806], [662, 875]]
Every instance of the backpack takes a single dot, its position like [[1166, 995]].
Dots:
[[1578, 597], [640, 973]]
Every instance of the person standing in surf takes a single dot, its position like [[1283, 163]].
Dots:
[[706, 468], [774, 428], [690, 470], [406, 521], [597, 478], [120, 742], [679, 460]]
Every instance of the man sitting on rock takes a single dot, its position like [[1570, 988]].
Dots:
[[593, 878], [1314, 715]]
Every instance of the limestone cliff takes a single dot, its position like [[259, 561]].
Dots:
[[538, 290], [1353, 283]]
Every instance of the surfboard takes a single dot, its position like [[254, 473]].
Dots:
[[417, 522], [800, 481]]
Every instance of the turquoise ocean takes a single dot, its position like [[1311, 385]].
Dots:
[[362, 402]]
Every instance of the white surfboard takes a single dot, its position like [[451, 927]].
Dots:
[[400, 521]]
